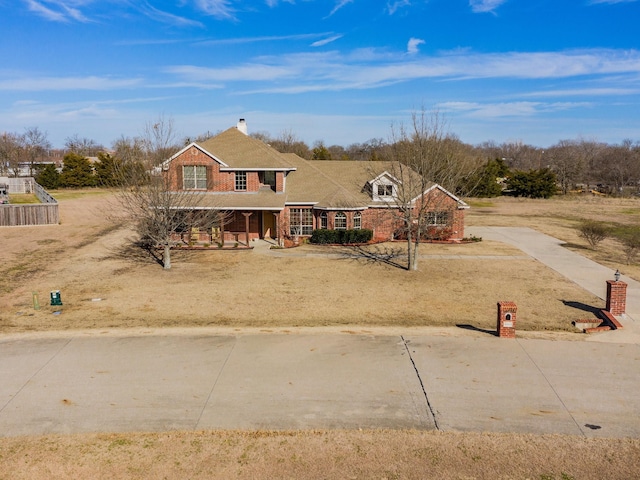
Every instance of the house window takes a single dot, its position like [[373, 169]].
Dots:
[[323, 220], [268, 178], [385, 190], [340, 221], [300, 221], [437, 218], [357, 221], [194, 177], [241, 181]]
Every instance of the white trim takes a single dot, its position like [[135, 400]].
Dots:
[[165, 165]]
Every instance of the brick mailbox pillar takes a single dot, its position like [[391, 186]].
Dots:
[[507, 319], [616, 297]]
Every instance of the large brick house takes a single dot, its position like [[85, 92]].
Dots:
[[268, 194]]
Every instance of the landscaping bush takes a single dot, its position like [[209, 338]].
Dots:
[[593, 232], [341, 237]]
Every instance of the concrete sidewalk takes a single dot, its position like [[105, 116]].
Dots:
[[465, 381], [584, 272]]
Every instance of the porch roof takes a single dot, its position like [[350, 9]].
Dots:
[[264, 199]]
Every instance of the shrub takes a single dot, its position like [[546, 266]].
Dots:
[[593, 232], [631, 245], [341, 237]]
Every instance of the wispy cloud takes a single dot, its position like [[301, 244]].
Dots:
[[610, 2], [164, 17], [326, 41], [413, 44], [332, 71], [216, 8], [58, 10], [339, 5], [270, 38], [30, 83], [485, 6], [393, 7], [508, 109]]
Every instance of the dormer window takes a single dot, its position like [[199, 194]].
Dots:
[[385, 190]]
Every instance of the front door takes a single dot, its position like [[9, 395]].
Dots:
[[268, 225]]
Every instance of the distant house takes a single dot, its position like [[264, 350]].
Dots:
[[268, 194]]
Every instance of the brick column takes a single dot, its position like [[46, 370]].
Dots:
[[616, 297], [506, 327]]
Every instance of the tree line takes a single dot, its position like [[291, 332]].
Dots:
[[464, 169]]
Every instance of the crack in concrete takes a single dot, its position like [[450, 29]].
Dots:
[[424, 391]]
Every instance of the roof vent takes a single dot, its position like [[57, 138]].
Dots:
[[242, 126]]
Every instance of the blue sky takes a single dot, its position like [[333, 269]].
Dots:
[[340, 71]]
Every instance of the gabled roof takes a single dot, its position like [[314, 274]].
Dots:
[[238, 151]]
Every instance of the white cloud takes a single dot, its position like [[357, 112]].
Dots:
[[325, 41], [507, 109], [58, 10], [331, 71], [393, 7], [216, 8], [413, 44], [339, 5], [610, 2], [30, 83], [485, 6]]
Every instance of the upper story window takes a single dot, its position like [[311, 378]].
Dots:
[[194, 177], [385, 190], [357, 221], [268, 178], [340, 221], [241, 181]]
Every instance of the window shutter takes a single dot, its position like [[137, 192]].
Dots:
[[180, 184], [209, 177]]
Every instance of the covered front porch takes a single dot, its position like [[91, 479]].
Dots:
[[237, 230]]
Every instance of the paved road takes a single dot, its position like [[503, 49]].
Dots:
[[447, 379], [423, 380]]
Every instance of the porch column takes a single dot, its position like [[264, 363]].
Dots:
[[278, 236], [246, 224], [222, 221]]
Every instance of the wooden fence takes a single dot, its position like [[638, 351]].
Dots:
[[38, 214], [45, 213]]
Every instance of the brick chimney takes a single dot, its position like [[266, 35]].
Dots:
[[242, 126]]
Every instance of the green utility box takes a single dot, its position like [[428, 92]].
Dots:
[[56, 300]]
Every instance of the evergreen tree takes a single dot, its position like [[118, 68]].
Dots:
[[49, 177], [76, 172], [533, 184], [108, 171], [485, 182]]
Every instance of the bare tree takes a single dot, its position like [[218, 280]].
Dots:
[[420, 155], [35, 145], [159, 140], [567, 161], [10, 147], [153, 202], [159, 213], [82, 146]]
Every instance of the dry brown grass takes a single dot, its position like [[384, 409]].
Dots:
[[86, 260], [319, 455], [560, 217]]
